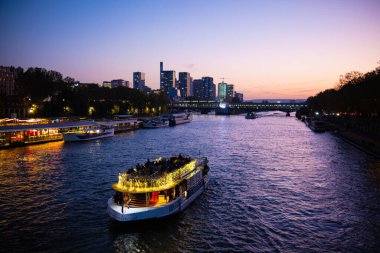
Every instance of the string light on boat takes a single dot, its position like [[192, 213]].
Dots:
[[141, 185]]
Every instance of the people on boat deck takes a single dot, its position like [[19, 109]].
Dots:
[[160, 166]]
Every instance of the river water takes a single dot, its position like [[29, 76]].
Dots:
[[275, 186]]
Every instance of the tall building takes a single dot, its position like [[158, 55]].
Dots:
[[8, 77], [167, 81], [209, 91], [239, 96], [198, 88], [184, 84], [222, 91], [139, 80], [191, 87], [230, 91]]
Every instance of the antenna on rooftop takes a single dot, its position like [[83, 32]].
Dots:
[[223, 78]]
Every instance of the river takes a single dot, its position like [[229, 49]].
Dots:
[[275, 186]]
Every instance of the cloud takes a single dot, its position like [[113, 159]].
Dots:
[[190, 65]]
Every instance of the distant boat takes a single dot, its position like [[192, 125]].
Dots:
[[251, 115], [121, 125], [155, 123], [157, 189], [316, 125], [89, 134], [178, 118]]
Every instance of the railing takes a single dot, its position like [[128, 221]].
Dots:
[[140, 184], [40, 138]]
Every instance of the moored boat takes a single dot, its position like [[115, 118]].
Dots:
[[158, 189], [251, 115], [178, 118], [89, 134], [155, 123]]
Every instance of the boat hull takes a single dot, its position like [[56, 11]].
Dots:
[[144, 213], [72, 137]]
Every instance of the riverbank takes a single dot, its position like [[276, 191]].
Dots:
[[363, 133], [367, 143]]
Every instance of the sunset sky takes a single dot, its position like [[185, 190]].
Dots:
[[267, 49]]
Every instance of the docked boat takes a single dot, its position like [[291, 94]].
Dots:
[[251, 115], [121, 125], [155, 123], [89, 134], [157, 189], [178, 118]]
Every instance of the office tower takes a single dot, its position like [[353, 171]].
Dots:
[[139, 80], [230, 91], [208, 88], [222, 91], [198, 88], [184, 84], [168, 81], [191, 87], [239, 96]]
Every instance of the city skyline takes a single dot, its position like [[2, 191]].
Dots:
[[271, 49]]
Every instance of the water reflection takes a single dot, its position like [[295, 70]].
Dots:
[[275, 186]]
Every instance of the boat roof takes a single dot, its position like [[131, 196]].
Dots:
[[49, 125], [134, 182], [116, 122]]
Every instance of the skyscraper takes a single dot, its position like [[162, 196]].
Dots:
[[208, 88], [230, 91], [139, 80], [198, 88], [222, 91], [184, 84], [167, 81]]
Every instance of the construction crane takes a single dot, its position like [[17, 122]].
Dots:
[[223, 78]]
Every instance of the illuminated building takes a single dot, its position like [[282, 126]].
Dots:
[[139, 80], [119, 83], [167, 81], [208, 92], [230, 91], [107, 84], [198, 88], [8, 77], [239, 96], [222, 91], [184, 84]]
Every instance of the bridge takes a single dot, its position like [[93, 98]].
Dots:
[[234, 108]]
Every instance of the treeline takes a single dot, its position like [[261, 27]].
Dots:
[[51, 95], [357, 94]]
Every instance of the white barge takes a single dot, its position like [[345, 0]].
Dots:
[[158, 189], [89, 134]]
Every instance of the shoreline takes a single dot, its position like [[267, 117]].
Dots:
[[366, 143]]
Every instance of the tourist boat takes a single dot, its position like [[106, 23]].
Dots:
[[121, 125], [178, 118], [251, 115], [155, 123], [89, 134], [157, 189]]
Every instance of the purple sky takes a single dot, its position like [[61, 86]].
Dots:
[[267, 49]]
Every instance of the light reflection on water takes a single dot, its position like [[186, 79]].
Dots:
[[275, 186]]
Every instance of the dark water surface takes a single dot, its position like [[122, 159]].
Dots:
[[275, 186]]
